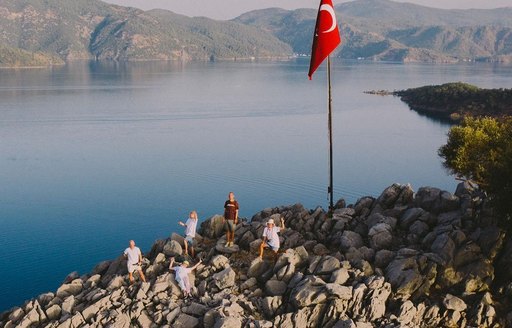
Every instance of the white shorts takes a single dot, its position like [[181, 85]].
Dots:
[[133, 267]]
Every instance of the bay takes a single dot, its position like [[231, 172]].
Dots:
[[93, 154]]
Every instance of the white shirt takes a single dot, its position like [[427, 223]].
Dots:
[[182, 272], [191, 227], [272, 237], [133, 255]]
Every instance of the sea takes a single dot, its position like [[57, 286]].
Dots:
[[93, 154]]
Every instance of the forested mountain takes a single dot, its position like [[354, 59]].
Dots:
[[84, 29], [371, 29], [388, 30]]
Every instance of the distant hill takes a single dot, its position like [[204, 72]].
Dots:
[[371, 29], [92, 29], [14, 57], [388, 30]]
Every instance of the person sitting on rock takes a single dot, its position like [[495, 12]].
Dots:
[[231, 218], [190, 232], [182, 272], [134, 263], [270, 237]]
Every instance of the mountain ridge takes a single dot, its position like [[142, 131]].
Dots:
[[371, 30]]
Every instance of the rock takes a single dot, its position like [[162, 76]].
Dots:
[[249, 284], [172, 248], [195, 309], [419, 228], [340, 276], [257, 268], [53, 312], [308, 292], [444, 246], [427, 198], [381, 236], [324, 265], [143, 291], [68, 304], [275, 287], [228, 322], [213, 227], [454, 303], [410, 216], [162, 283], [144, 319], [73, 288], [270, 305], [350, 239], [226, 250], [34, 317], [389, 196], [116, 283], [219, 262], [338, 291], [407, 313], [383, 258], [225, 278], [185, 321]]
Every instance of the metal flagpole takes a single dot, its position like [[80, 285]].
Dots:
[[330, 189]]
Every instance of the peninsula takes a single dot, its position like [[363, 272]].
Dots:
[[404, 259]]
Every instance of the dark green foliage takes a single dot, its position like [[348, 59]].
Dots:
[[481, 149], [456, 100]]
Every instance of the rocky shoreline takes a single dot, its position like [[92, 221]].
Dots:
[[405, 259]]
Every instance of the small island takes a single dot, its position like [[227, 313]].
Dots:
[[454, 101]]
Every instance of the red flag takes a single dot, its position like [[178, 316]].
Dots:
[[327, 35]]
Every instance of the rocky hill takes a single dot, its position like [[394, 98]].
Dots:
[[92, 29], [404, 259], [393, 31]]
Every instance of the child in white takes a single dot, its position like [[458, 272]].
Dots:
[[182, 278], [271, 237], [190, 232]]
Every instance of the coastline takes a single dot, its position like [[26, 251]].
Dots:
[[420, 258]]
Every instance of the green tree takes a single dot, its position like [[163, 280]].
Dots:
[[480, 149]]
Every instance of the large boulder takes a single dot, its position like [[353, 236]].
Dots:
[[213, 227], [381, 236], [351, 239], [225, 278], [172, 248]]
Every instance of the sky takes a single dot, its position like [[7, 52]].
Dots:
[[227, 9]]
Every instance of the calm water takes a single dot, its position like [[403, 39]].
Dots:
[[93, 154]]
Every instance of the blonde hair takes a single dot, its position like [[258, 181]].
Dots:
[[193, 215]]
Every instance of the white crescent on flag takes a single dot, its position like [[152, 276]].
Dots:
[[330, 10]]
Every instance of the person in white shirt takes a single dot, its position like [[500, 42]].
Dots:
[[182, 272], [271, 237], [190, 232], [134, 256]]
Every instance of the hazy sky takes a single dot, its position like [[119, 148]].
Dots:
[[227, 9]]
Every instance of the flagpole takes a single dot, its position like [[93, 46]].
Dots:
[[330, 189]]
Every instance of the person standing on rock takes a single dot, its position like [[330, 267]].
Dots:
[[190, 232], [182, 271], [134, 256], [231, 218], [270, 237]]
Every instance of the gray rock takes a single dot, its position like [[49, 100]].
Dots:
[[338, 291], [383, 257], [428, 198], [172, 248], [68, 304], [308, 292], [257, 268], [270, 305], [195, 309], [419, 228], [380, 236], [340, 276], [454, 303], [350, 239], [53, 312], [228, 322], [34, 317], [444, 246], [226, 250], [407, 313], [410, 216], [213, 227], [275, 287], [225, 278], [219, 262], [185, 321], [73, 288], [144, 320], [115, 283]]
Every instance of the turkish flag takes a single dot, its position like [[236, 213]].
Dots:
[[327, 35]]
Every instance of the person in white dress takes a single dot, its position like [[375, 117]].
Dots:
[[271, 237]]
